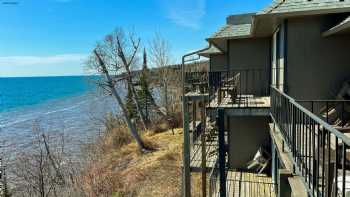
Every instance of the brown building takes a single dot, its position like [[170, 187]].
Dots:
[[272, 115]]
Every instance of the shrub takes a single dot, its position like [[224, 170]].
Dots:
[[116, 134]]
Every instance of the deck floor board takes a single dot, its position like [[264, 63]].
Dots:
[[246, 184], [246, 101]]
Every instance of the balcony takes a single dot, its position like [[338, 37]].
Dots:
[[196, 85], [209, 97], [240, 92], [238, 88], [313, 133]]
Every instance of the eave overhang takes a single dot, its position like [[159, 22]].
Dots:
[[341, 28], [265, 24], [212, 50]]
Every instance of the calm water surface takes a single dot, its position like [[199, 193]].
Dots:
[[58, 105]]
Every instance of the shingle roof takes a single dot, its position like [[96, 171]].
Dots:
[[233, 31], [286, 6]]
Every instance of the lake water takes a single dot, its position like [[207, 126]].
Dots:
[[68, 105]]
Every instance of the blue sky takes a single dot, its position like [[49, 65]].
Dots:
[[52, 37]]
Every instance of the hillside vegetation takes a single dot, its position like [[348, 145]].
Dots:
[[121, 170]]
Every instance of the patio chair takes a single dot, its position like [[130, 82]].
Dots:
[[230, 87], [260, 161], [338, 113]]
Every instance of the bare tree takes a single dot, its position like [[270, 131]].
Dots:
[[113, 58], [127, 60], [112, 88], [160, 56], [43, 169]]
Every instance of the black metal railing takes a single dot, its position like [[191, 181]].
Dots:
[[213, 180], [217, 176], [242, 184], [334, 112], [239, 85], [235, 83], [196, 82], [320, 152], [211, 146]]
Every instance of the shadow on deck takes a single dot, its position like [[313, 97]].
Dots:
[[245, 184], [243, 105]]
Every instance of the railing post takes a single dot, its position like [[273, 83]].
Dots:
[[204, 150], [222, 151], [344, 148], [294, 123], [186, 151], [310, 139]]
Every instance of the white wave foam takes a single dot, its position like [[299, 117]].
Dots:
[[67, 108], [37, 115]]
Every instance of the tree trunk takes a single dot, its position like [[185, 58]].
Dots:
[[115, 94], [53, 163], [131, 126], [166, 98], [129, 80]]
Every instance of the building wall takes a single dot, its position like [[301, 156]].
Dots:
[[243, 54], [316, 66], [249, 53], [246, 135], [218, 62], [253, 54]]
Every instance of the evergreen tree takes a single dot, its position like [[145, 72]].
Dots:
[[130, 105], [144, 94]]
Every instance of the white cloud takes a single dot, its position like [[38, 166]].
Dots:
[[41, 60], [186, 13], [64, 64]]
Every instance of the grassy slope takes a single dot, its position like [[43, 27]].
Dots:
[[126, 172]]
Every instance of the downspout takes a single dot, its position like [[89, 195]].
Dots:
[[186, 182], [228, 55], [285, 51]]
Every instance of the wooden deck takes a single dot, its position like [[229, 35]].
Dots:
[[211, 154], [195, 95], [246, 106], [246, 184], [244, 101]]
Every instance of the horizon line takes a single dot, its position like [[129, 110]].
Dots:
[[33, 76]]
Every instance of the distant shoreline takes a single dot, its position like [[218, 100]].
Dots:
[[49, 76]]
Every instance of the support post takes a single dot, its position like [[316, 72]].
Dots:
[[284, 189], [222, 151], [186, 151], [194, 117], [204, 149]]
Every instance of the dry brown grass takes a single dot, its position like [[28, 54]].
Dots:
[[160, 126], [123, 171], [116, 138]]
